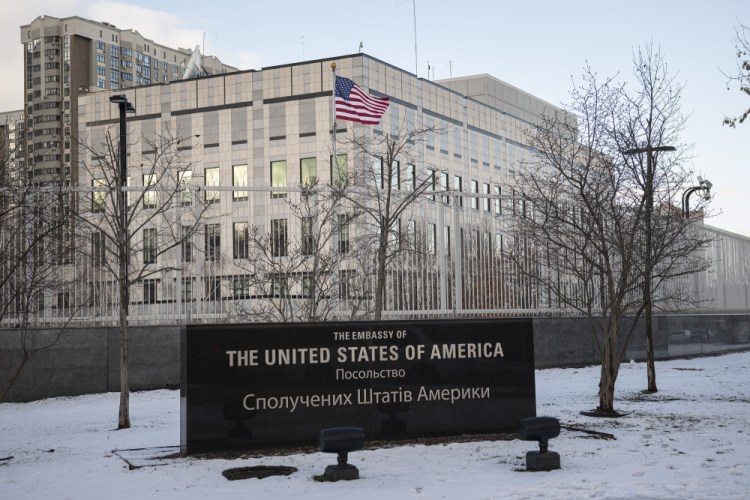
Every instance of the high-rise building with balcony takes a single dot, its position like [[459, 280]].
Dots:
[[11, 150], [68, 57]]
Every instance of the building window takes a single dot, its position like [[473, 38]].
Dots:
[[211, 178], [459, 187], [278, 178], [186, 245], [486, 199], [431, 183], [149, 291], [239, 240], [431, 238], [377, 172], [241, 287], [185, 178], [444, 186], [149, 194], [278, 238], [395, 175], [308, 236], [149, 246], [63, 300], [411, 178], [239, 179], [343, 233], [187, 289], [498, 201], [394, 235], [213, 242], [345, 288], [411, 234], [279, 286], [213, 288], [308, 171], [474, 191], [99, 197], [339, 170], [98, 248], [307, 285]]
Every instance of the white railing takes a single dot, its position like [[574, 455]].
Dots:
[[450, 265]]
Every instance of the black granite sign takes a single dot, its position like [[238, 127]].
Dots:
[[261, 385]]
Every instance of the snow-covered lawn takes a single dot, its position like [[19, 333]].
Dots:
[[691, 440]]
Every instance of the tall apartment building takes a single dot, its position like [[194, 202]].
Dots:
[[65, 58], [11, 152]]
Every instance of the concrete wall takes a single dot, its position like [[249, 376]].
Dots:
[[86, 360]]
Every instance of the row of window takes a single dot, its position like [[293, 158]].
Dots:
[[241, 288], [309, 173], [143, 59], [242, 285], [279, 241]]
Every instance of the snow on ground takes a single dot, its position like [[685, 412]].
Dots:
[[689, 441]]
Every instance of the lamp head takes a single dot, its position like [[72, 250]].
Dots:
[[706, 184], [118, 99]]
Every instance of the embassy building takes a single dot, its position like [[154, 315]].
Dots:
[[275, 221], [252, 138]]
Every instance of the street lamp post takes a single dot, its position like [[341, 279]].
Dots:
[[703, 185], [124, 107], [649, 194], [122, 179]]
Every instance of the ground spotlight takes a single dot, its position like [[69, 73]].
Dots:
[[540, 429], [341, 440]]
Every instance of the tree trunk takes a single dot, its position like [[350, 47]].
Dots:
[[650, 364], [610, 367], [380, 284], [124, 413], [650, 361]]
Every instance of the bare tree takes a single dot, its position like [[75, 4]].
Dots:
[[588, 208], [34, 246], [290, 267], [741, 74], [161, 215], [655, 156], [383, 190]]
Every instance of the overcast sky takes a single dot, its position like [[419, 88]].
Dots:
[[538, 46]]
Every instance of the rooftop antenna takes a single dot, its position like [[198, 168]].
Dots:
[[361, 45], [416, 63]]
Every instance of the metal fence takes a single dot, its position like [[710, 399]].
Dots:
[[250, 259]]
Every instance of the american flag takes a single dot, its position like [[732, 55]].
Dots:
[[353, 104]]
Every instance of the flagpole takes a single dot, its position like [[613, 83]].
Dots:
[[333, 113]]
